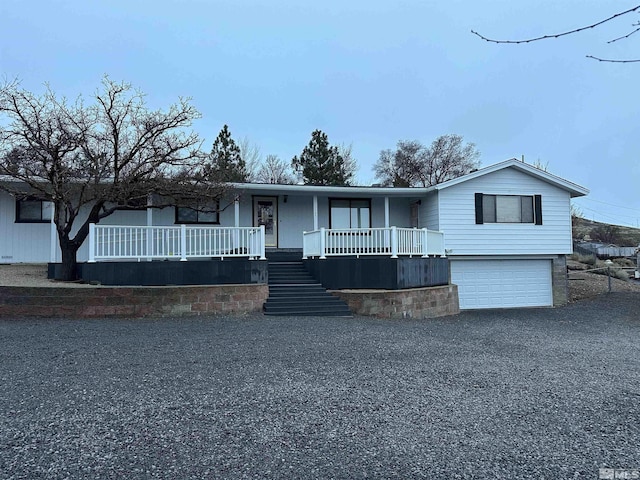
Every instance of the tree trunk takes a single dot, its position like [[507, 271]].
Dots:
[[69, 271]]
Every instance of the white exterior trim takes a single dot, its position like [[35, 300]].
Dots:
[[575, 189], [351, 191]]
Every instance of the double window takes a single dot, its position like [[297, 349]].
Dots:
[[206, 214], [508, 209], [30, 210], [348, 213]]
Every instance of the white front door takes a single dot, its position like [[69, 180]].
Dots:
[[265, 212]]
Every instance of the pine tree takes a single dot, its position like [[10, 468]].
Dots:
[[320, 163], [225, 160]]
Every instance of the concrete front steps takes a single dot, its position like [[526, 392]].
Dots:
[[293, 291]]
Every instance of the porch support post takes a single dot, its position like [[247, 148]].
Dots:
[[53, 240], [394, 242], [149, 231], [92, 243], [183, 243], [322, 244], [262, 242], [304, 245], [386, 212], [236, 232], [315, 212], [425, 239]]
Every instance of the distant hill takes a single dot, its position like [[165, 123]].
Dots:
[[605, 232]]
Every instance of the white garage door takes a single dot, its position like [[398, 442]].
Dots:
[[502, 283]]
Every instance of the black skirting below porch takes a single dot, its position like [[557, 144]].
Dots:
[[156, 273], [339, 273]]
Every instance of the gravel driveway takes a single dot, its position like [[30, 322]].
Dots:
[[538, 393]]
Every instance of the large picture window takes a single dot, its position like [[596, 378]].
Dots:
[[205, 214], [33, 211], [508, 209], [347, 213]]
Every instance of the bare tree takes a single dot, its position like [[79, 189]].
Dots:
[[412, 164], [250, 153], [636, 28], [449, 157], [577, 219], [402, 167], [91, 160], [275, 170], [350, 163], [540, 165]]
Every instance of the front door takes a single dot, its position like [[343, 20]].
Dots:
[[265, 212]]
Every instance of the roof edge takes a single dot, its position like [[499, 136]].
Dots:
[[573, 188]]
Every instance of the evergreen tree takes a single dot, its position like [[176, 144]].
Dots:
[[321, 164], [225, 160]]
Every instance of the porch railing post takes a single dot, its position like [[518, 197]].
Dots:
[[261, 243], [425, 243], [149, 243], [304, 245], [322, 243], [92, 243], [394, 242], [252, 244], [183, 243]]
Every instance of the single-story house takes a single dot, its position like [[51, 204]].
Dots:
[[505, 229]]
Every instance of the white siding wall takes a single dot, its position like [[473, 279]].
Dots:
[[21, 242], [294, 217], [429, 212], [464, 237], [399, 212]]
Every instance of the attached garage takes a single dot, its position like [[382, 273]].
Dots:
[[502, 283]]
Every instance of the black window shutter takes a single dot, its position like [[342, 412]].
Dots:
[[479, 219], [538, 209]]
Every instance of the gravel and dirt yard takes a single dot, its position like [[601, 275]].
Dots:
[[533, 393], [584, 284]]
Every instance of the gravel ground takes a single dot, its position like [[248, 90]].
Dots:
[[32, 275], [533, 393]]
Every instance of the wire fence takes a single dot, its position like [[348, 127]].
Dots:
[[613, 273]]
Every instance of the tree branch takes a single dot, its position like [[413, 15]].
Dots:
[[625, 36], [612, 60], [557, 35]]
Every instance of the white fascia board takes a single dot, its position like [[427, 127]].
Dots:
[[574, 189], [275, 189]]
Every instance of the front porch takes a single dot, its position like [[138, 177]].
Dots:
[[109, 243], [390, 242]]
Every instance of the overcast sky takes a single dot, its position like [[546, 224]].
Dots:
[[368, 73]]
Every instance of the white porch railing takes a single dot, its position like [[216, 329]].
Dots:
[[119, 242], [392, 241]]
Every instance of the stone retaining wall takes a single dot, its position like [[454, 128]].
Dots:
[[91, 302], [427, 302], [560, 281]]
